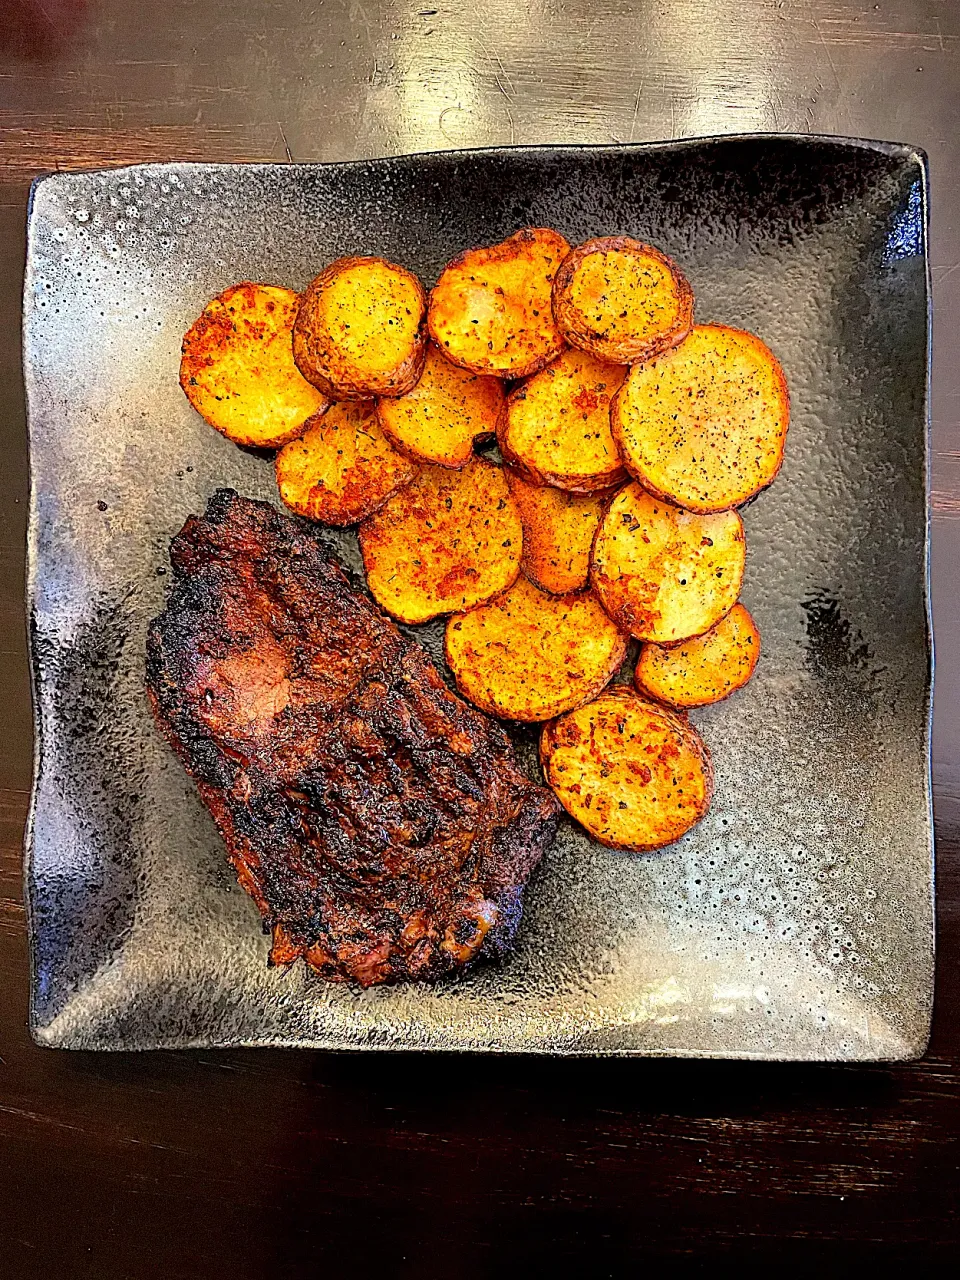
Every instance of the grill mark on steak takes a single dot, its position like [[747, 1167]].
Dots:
[[381, 825]]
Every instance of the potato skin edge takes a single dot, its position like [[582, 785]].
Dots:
[[363, 538], [441, 613], [668, 644], [354, 518], [662, 701], [555, 479], [608, 496], [488, 371], [188, 366], [641, 478], [248, 441], [419, 458], [664, 644], [488, 707], [578, 334], [327, 523], [402, 446], [535, 364], [696, 742], [403, 379]]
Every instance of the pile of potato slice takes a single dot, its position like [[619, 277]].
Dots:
[[627, 438]]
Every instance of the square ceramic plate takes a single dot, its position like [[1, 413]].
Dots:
[[797, 921]]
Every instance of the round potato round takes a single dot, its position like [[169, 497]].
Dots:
[[704, 425], [622, 300], [237, 367], [360, 329], [636, 775], [449, 408], [531, 656], [490, 310], [342, 468], [662, 573], [703, 670], [558, 532], [448, 541], [555, 427]]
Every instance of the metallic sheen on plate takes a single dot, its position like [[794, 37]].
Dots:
[[796, 922]]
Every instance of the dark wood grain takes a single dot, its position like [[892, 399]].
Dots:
[[244, 1164]]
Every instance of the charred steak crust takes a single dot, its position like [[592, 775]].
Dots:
[[381, 825]]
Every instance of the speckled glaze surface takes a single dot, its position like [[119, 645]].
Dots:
[[797, 921]]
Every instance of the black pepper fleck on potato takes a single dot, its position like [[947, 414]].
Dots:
[[530, 656], [447, 541], [491, 310], [705, 425], [634, 774], [361, 329], [621, 300]]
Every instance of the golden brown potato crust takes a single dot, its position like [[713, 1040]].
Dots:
[[360, 330], [449, 408], [705, 424], [491, 311], [555, 427], [342, 468], [530, 656], [662, 573], [237, 367], [703, 670], [628, 437], [558, 532], [447, 541], [635, 774], [622, 300]]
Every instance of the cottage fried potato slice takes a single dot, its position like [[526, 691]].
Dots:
[[636, 775], [704, 425], [555, 427], [558, 533], [237, 367], [528, 655], [490, 311], [662, 573], [360, 329], [621, 300], [443, 415], [446, 542], [342, 468], [703, 670]]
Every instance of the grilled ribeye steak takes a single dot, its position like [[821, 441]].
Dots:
[[381, 825]]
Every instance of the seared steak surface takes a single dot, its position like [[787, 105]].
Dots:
[[381, 825]]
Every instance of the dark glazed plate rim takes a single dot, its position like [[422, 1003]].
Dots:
[[899, 150], [903, 150]]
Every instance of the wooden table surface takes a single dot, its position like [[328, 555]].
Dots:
[[249, 1163]]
